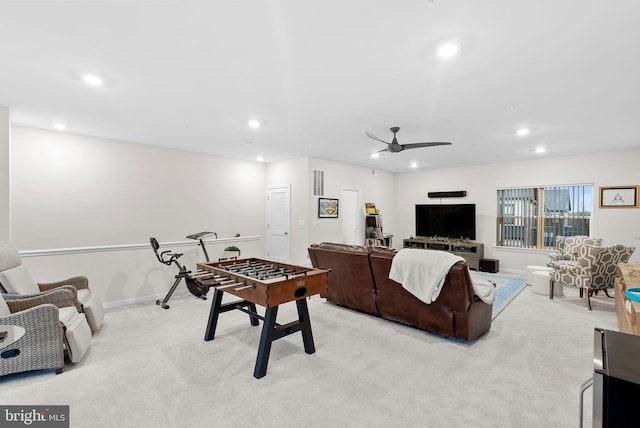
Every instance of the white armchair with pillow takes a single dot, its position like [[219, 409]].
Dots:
[[53, 328], [33, 339], [16, 279]]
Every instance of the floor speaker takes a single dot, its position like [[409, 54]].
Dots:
[[489, 265]]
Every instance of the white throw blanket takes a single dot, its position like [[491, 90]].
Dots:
[[484, 289], [422, 272]]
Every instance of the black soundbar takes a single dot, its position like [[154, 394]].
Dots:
[[454, 194]]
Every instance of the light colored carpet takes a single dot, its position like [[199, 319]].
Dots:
[[507, 289], [150, 367]]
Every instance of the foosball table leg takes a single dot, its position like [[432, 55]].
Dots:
[[272, 331], [217, 308], [254, 320], [266, 338], [305, 322], [216, 303]]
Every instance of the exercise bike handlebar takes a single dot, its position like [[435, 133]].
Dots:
[[165, 257], [200, 238]]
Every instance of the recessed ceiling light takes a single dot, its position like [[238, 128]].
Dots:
[[259, 158], [92, 79], [375, 155], [541, 150], [254, 123], [414, 165], [448, 50], [523, 131], [59, 126]]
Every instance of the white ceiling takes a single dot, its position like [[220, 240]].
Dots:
[[318, 74]]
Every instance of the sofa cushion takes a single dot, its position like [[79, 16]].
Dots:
[[397, 304], [92, 306], [14, 277], [18, 280], [76, 331], [4, 308], [9, 256], [422, 272]]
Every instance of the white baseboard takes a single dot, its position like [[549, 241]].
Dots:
[[133, 301]]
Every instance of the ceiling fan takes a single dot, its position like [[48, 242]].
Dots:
[[395, 147]]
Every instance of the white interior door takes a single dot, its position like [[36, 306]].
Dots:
[[350, 215], [279, 223]]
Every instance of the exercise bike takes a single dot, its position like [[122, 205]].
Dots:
[[192, 281]]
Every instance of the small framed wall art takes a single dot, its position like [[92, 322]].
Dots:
[[619, 197], [327, 208]]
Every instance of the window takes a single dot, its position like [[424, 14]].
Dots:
[[532, 217]]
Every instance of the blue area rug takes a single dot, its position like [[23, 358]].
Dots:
[[507, 289]]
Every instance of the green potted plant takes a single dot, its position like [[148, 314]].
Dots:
[[231, 252]]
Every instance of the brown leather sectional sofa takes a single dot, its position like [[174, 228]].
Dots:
[[359, 279]]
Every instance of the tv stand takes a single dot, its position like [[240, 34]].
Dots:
[[471, 252]]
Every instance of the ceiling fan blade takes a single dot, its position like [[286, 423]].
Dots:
[[418, 145], [370, 135], [381, 151]]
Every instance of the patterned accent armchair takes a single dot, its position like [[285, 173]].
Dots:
[[16, 279], [567, 248], [594, 270]]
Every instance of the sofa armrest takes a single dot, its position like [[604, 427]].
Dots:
[[457, 291]]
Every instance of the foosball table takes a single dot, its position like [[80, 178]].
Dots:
[[269, 284]]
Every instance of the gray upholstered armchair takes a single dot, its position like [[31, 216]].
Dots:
[[16, 279], [594, 270], [566, 249]]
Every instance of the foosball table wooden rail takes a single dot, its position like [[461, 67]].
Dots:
[[268, 284]]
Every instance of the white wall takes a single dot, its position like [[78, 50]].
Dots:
[[71, 191], [375, 186], [306, 227], [294, 172], [614, 226], [5, 211]]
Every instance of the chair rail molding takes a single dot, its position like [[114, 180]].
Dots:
[[128, 247]]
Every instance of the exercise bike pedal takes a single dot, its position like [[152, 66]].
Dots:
[[163, 305]]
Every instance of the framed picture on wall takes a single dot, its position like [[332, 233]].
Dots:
[[619, 197], [327, 208]]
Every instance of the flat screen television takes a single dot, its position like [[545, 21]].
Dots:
[[457, 221]]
